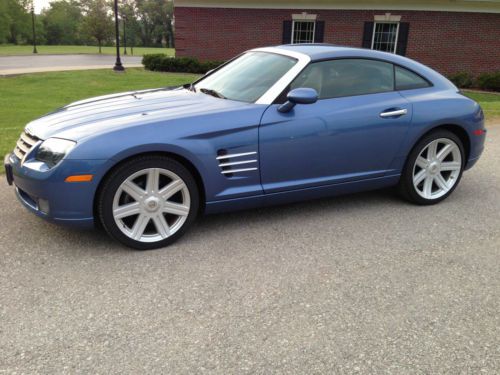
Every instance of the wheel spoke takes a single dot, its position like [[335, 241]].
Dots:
[[451, 166], [153, 180], [139, 227], [168, 191], [421, 162], [141, 205], [417, 179], [175, 209], [161, 225], [127, 210], [133, 190], [432, 150], [428, 186], [441, 182], [443, 153]]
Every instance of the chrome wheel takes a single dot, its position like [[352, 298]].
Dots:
[[437, 168], [151, 205]]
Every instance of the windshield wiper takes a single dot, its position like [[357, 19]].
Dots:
[[190, 87], [213, 93]]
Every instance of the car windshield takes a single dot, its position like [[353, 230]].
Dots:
[[246, 78]]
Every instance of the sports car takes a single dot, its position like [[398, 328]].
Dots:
[[271, 126]]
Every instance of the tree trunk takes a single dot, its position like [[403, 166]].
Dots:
[[99, 42]]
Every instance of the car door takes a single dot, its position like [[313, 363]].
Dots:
[[353, 132]]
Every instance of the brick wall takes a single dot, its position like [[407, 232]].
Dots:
[[447, 41]]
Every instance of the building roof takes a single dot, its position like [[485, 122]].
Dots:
[[483, 6]]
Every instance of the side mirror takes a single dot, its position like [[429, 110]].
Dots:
[[299, 96]]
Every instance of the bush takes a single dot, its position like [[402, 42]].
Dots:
[[462, 80], [489, 81], [163, 63]]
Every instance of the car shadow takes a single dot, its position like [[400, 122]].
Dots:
[[97, 242]]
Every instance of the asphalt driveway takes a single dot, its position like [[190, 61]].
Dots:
[[357, 284], [10, 65]]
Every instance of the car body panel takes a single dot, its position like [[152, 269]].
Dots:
[[330, 141]]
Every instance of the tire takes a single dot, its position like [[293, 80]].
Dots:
[[441, 170], [148, 202]]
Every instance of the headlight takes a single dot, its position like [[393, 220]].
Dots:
[[52, 150]]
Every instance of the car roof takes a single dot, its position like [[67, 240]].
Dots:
[[323, 51], [317, 51]]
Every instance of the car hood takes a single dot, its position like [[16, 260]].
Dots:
[[105, 113]]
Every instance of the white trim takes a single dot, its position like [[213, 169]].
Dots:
[[302, 60], [477, 6], [304, 16], [388, 17]]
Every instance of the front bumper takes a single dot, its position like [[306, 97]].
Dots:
[[47, 195]]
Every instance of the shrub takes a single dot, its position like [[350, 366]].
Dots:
[[489, 81], [462, 79], [164, 63]]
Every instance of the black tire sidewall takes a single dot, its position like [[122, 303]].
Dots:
[[113, 181], [406, 183]]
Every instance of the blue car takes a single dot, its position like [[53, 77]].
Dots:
[[271, 126]]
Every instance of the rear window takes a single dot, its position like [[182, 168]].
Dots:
[[407, 80]]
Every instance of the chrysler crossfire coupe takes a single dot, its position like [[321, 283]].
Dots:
[[271, 126]]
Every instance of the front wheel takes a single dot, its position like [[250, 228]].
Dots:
[[433, 169], [148, 202]]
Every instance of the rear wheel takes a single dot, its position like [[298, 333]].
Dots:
[[433, 169], [148, 202]]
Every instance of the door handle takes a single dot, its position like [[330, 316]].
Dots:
[[394, 113]]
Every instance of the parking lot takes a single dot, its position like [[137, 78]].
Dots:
[[363, 283]]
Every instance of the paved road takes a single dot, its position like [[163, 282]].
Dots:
[[358, 284], [45, 63]]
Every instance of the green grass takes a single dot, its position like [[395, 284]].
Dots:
[[25, 97], [489, 102], [13, 50]]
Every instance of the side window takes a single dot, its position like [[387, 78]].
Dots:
[[346, 77], [406, 80]]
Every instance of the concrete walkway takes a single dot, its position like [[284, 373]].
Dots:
[[11, 65]]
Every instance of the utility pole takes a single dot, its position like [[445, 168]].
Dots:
[[118, 64], [33, 25], [124, 35]]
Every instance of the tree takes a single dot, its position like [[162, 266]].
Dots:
[[62, 22], [15, 21], [155, 18], [4, 21], [130, 24], [97, 22]]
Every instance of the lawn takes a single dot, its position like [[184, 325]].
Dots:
[[489, 102], [11, 50], [26, 97]]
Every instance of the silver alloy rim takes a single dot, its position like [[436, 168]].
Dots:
[[437, 168], [151, 205]]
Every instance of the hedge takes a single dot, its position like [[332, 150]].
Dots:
[[485, 81], [164, 63], [462, 79], [489, 81]]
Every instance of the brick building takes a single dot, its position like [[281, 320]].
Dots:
[[449, 35]]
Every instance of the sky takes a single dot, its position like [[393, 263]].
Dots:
[[39, 4]]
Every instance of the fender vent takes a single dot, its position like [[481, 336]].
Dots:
[[236, 163]]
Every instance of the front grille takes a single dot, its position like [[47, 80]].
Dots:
[[25, 144]]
